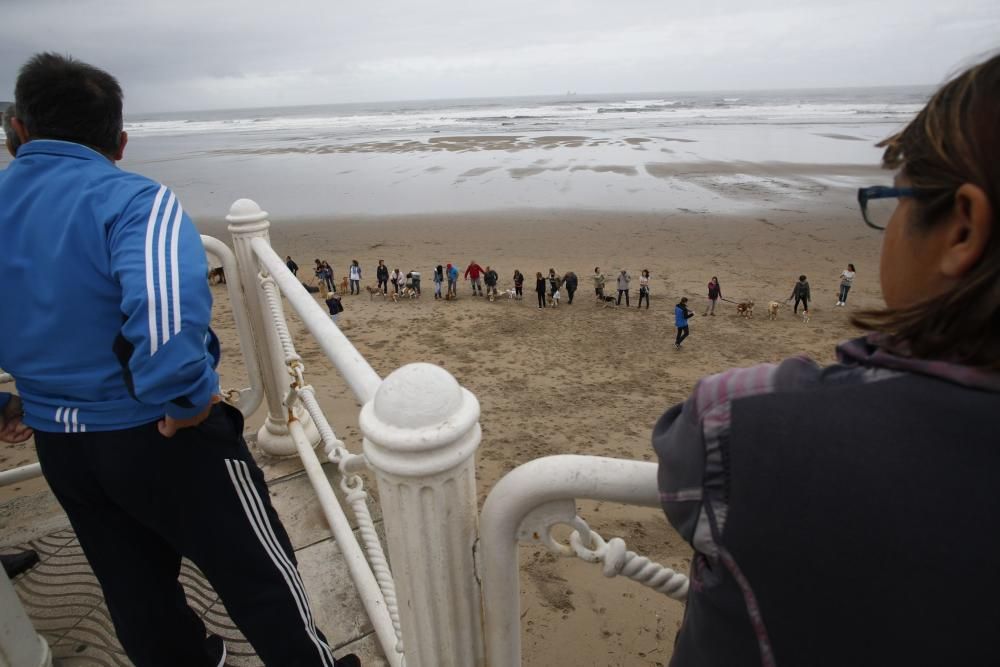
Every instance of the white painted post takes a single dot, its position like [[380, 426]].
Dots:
[[20, 645], [421, 434], [246, 222]]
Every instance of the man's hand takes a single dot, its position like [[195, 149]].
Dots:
[[169, 426], [12, 429]]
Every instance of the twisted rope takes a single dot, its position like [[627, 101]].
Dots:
[[619, 560]]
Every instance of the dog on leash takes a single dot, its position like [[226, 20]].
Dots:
[[805, 316], [608, 301], [217, 275], [408, 293], [772, 310], [373, 292], [511, 294], [553, 299], [344, 285], [745, 309]]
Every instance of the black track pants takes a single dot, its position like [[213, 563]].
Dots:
[[139, 501]]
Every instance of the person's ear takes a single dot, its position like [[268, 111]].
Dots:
[[968, 231], [19, 129], [120, 153]]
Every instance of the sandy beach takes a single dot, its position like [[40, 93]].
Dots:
[[580, 378]]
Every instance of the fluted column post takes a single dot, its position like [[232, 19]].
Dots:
[[246, 222], [421, 432]]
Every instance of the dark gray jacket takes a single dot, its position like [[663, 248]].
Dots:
[[840, 516]]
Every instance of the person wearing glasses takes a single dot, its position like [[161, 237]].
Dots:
[[846, 515]]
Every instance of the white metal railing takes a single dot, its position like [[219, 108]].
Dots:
[[531, 500]]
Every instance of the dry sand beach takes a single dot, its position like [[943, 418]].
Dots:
[[580, 378]]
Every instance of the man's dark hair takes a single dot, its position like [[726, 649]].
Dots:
[[58, 97]]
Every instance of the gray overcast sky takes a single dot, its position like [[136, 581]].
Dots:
[[180, 55]]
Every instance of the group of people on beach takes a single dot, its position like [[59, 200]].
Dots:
[[548, 287]]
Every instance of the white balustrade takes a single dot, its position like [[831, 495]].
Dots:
[[421, 435], [248, 222], [246, 400]]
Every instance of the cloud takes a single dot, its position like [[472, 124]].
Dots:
[[213, 54]]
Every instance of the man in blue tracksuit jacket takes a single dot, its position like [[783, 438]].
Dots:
[[119, 385]]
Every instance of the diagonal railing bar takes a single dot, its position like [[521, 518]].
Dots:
[[384, 602]]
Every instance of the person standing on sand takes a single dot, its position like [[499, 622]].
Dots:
[[624, 280], [490, 277], [130, 431], [382, 275], [354, 275], [438, 279], [571, 282], [714, 294], [599, 281], [475, 271], [554, 282], [394, 280], [801, 294], [644, 288], [328, 276], [452, 281], [540, 289], [788, 477], [846, 280], [681, 317], [518, 284], [292, 266]]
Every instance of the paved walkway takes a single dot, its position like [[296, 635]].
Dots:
[[64, 601]]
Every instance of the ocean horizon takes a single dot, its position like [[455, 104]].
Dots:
[[631, 151]]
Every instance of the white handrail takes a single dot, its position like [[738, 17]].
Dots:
[[356, 371], [361, 573], [515, 496], [15, 475], [249, 399]]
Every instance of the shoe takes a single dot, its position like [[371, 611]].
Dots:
[[16, 564], [349, 660], [216, 648]]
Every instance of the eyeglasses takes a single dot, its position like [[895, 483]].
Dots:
[[877, 205]]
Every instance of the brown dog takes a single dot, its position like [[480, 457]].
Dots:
[[344, 285], [772, 310], [373, 292], [217, 275], [745, 309]]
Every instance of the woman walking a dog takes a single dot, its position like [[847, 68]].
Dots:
[[518, 284], [801, 295], [714, 294], [540, 289], [827, 506]]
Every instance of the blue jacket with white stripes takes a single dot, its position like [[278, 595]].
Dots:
[[104, 318]]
